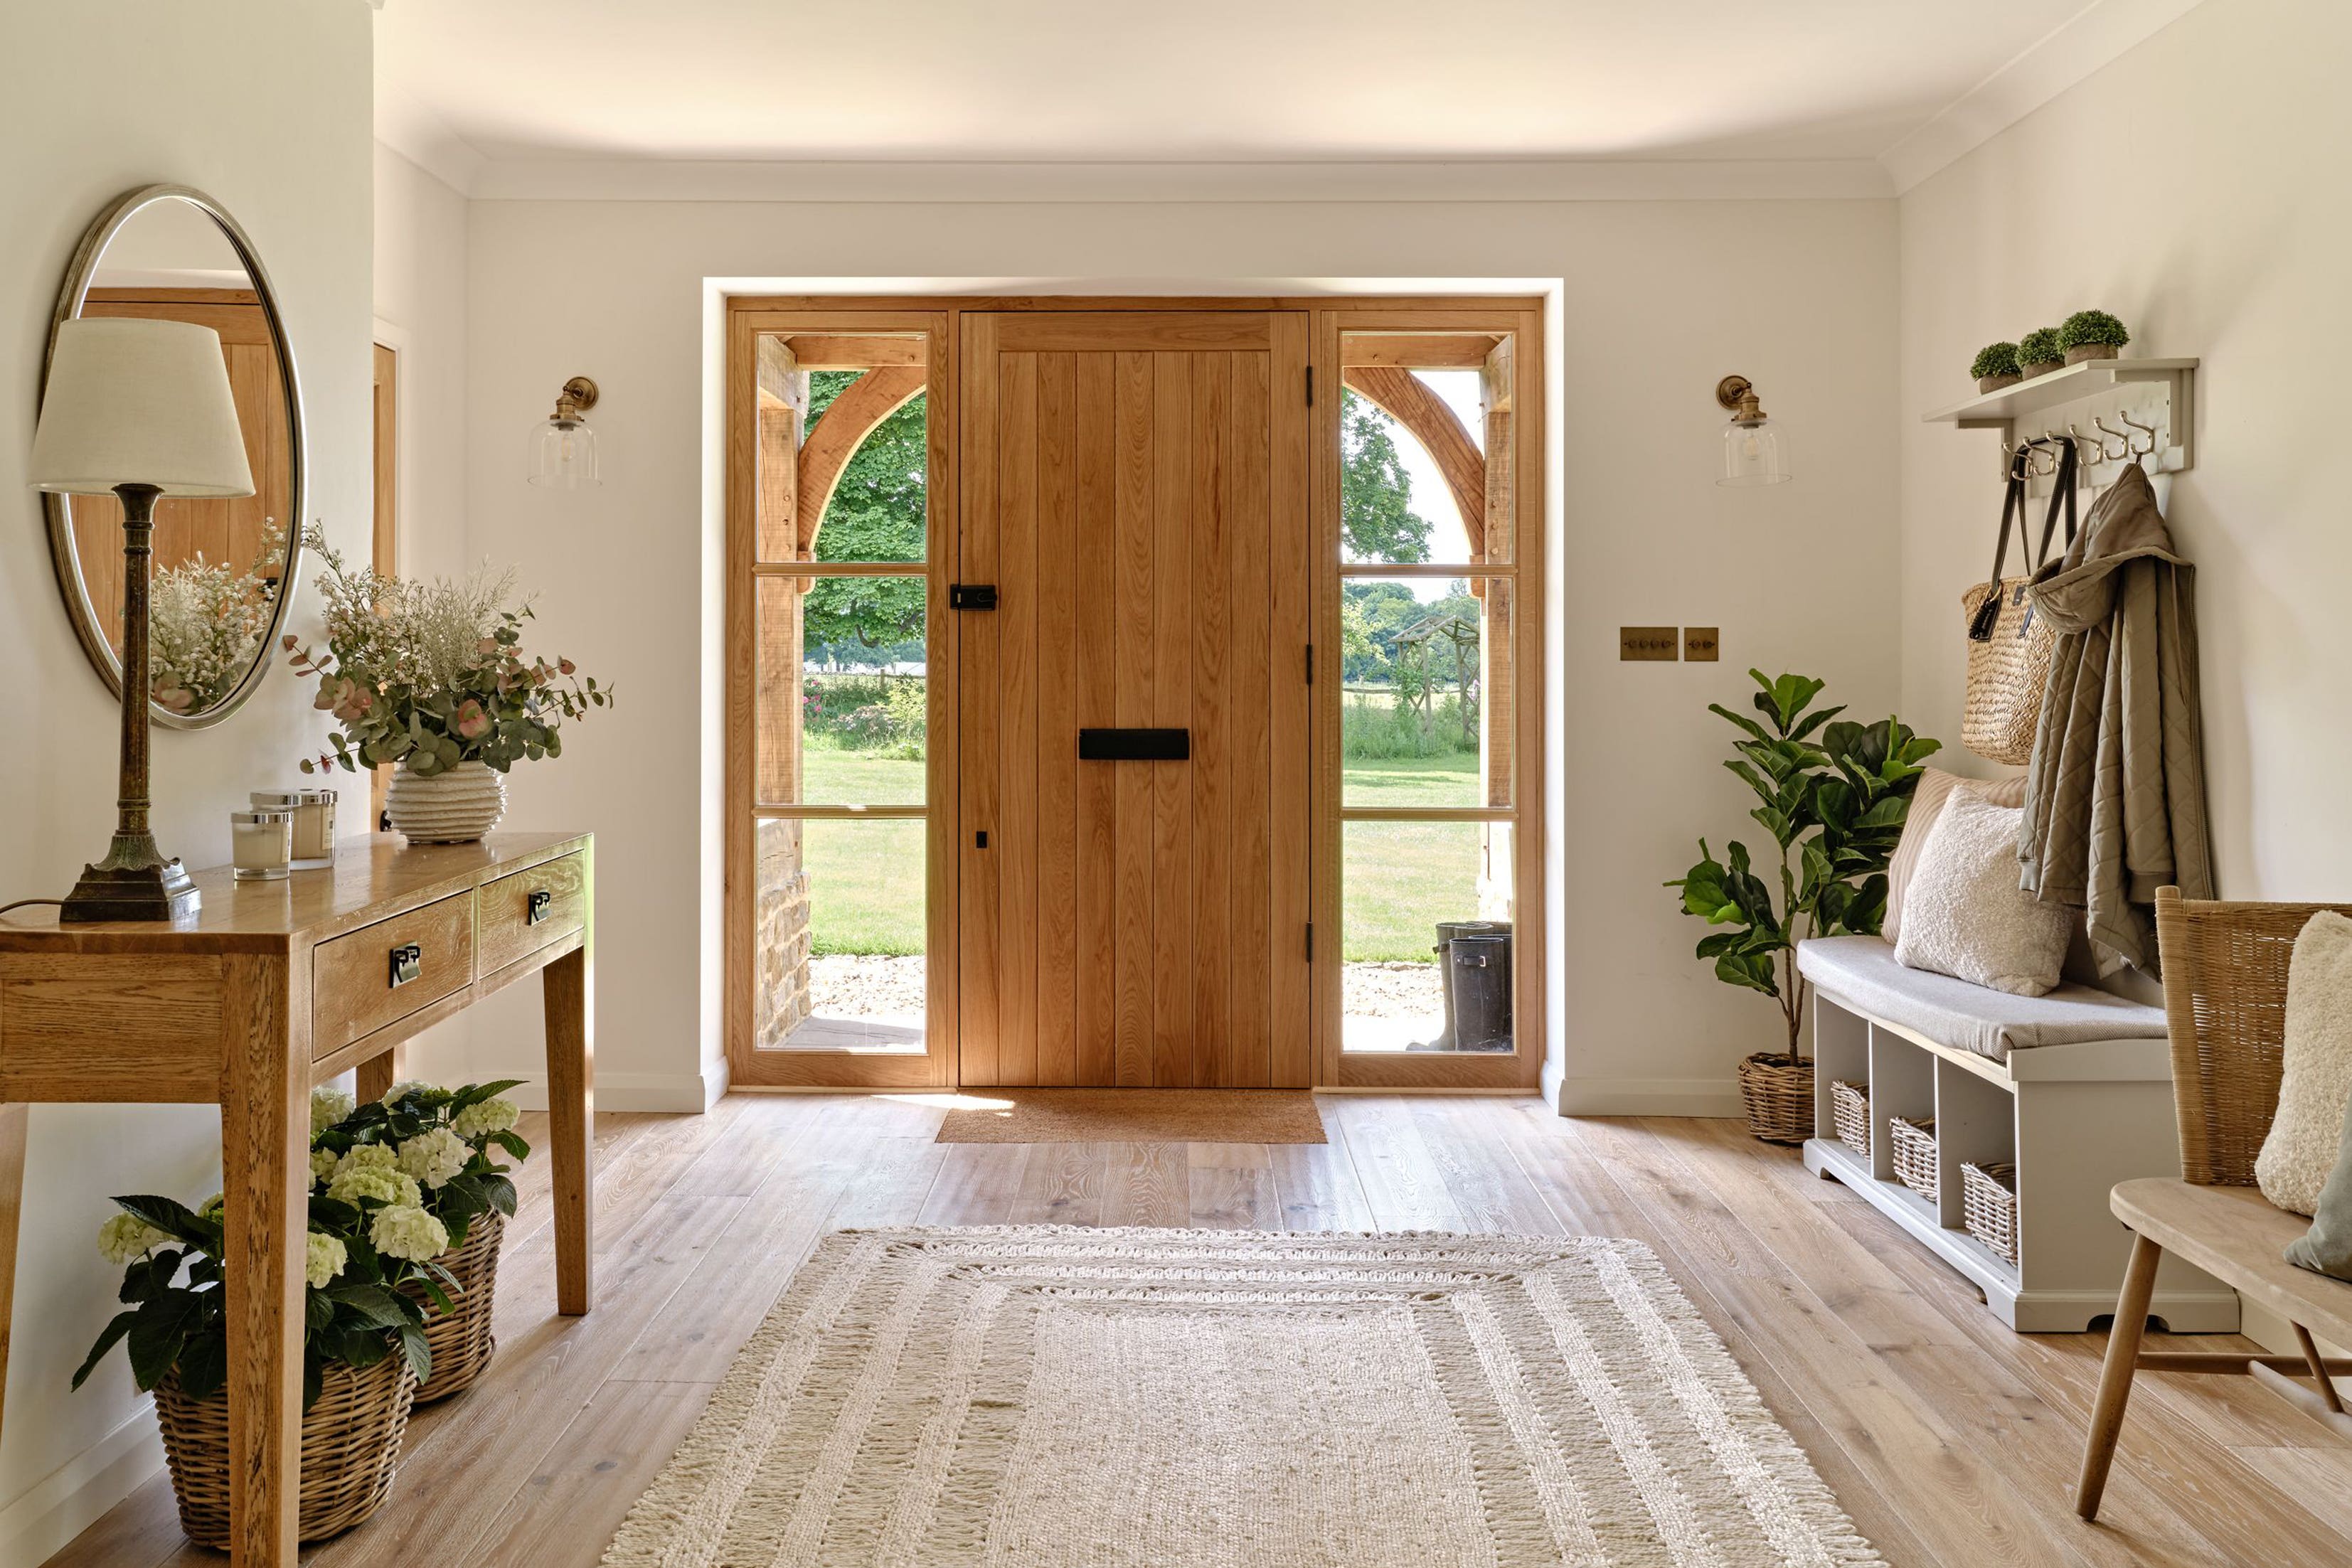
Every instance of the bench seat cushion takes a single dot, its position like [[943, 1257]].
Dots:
[[1861, 972]]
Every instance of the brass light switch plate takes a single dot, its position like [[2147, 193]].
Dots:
[[1699, 645], [1649, 642]]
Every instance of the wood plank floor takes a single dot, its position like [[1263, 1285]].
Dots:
[[1952, 1441]]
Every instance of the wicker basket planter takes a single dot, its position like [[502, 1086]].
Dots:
[[1989, 1205], [1778, 1098], [350, 1444], [1913, 1144], [1849, 1114], [460, 1338]]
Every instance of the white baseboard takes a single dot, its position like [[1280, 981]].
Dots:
[[77, 1493], [2275, 1333], [1649, 1097], [692, 1092]]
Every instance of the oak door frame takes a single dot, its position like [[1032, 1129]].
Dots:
[[1521, 314], [748, 1066], [1530, 956]]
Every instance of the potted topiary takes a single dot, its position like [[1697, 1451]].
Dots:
[[2039, 352], [1995, 367], [2091, 335], [1833, 795]]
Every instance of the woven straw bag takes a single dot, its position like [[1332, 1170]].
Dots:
[[2009, 647]]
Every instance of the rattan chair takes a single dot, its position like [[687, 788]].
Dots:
[[2225, 968]]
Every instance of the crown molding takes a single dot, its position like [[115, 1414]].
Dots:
[[428, 141], [651, 179], [2095, 37]]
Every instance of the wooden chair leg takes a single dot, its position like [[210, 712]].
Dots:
[[2116, 1375], [2318, 1364]]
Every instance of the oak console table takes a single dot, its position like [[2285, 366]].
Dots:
[[273, 987]]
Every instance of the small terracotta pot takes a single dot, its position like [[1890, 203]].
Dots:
[[2044, 367], [2082, 352], [1994, 383]]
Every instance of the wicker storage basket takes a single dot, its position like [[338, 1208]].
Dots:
[[1778, 1098], [1989, 1205], [1849, 1114], [350, 1444], [460, 1338], [1914, 1146]]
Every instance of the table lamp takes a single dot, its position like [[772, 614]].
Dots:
[[141, 409]]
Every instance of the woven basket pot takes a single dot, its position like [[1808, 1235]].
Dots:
[[452, 808], [1779, 1097], [351, 1445], [460, 1338]]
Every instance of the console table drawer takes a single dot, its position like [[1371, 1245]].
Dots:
[[367, 978], [526, 910]]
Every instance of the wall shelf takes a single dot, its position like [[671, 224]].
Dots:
[[2155, 394]]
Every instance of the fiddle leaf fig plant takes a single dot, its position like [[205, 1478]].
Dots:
[[1832, 793]]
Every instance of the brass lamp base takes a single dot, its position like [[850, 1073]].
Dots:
[[157, 890]]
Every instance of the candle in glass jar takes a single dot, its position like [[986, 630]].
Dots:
[[262, 844], [314, 823]]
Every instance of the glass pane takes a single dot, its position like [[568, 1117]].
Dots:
[[844, 448], [838, 939], [1414, 975], [1425, 447], [842, 693], [1426, 716]]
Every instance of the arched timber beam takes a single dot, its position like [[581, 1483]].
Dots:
[[847, 420], [1408, 400]]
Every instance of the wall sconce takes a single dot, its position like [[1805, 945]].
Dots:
[[563, 455], [1752, 453]]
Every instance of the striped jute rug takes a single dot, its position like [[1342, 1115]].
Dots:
[[1134, 1116], [1054, 1397]]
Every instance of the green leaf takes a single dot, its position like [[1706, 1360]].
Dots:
[[174, 1220], [502, 1194], [157, 1332], [204, 1364], [420, 1354], [116, 1327], [376, 1306]]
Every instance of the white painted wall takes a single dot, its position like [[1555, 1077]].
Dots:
[[1662, 299], [264, 105], [2185, 187]]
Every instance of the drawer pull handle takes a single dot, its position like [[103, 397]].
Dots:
[[408, 963], [540, 906]]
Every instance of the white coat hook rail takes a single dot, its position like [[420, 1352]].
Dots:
[[2115, 411]]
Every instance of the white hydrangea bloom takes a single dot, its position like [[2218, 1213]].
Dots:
[[214, 1206], [371, 1183], [402, 1087], [127, 1237], [489, 1116], [407, 1231], [322, 1165], [323, 1258], [368, 1157], [329, 1106], [434, 1157]]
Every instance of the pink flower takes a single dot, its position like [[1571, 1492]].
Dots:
[[472, 722]]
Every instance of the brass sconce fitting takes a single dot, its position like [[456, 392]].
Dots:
[[578, 396], [1738, 394]]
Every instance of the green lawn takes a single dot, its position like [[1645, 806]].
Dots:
[[1398, 878]]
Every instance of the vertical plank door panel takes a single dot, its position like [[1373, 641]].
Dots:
[[1133, 706], [1212, 629], [1251, 1064], [1292, 727], [1016, 670], [1174, 508], [981, 702], [1056, 633], [1096, 553]]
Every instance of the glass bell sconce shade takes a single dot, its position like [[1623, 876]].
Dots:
[[1753, 453], [563, 448]]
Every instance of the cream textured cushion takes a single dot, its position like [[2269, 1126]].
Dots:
[[1927, 798], [2316, 1078], [1964, 914]]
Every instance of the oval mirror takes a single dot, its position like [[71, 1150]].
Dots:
[[224, 571]]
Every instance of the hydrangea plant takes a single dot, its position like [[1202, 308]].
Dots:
[[1994, 359], [394, 1185]]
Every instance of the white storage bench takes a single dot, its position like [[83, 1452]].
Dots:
[[2073, 1089]]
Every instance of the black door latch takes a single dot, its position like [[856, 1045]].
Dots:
[[971, 596]]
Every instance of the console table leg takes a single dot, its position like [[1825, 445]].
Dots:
[[266, 1154], [570, 1110], [379, 1073], [12, 1194]]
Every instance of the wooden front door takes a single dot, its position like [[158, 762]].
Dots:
[[1137, 493]]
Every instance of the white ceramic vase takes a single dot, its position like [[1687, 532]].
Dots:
[[452, 808]]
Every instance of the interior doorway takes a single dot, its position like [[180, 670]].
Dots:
[[1134, 692]]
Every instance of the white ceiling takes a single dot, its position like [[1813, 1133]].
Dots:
[[1212, 81]]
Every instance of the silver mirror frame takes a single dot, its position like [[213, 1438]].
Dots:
[[63, 558]]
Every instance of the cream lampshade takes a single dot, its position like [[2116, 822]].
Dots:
[[141, 407], [136, 401]]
